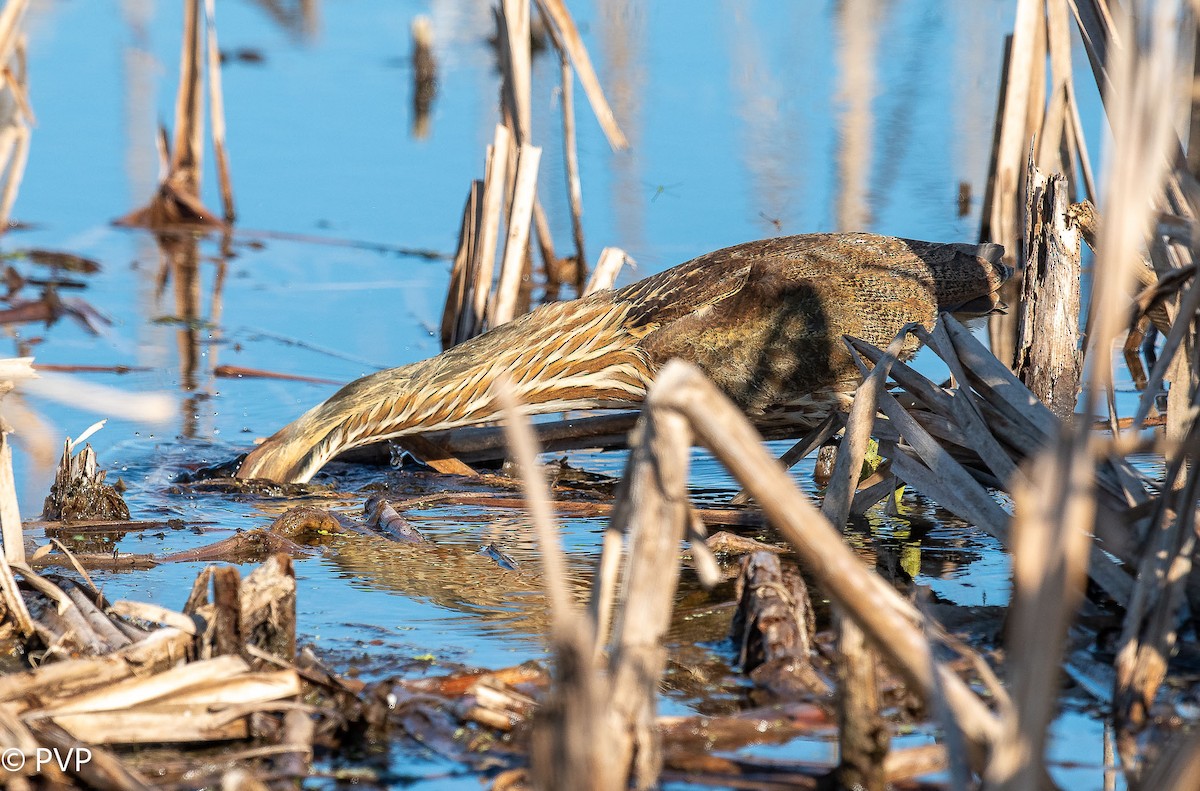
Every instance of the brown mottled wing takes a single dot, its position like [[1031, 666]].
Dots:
[[763, 343], [683, 289]]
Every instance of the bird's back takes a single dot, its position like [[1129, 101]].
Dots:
[[763, 319]]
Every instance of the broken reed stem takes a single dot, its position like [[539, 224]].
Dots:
[[14, 139], [657, 516], [571, 155], [216, 98], [1048, 359], [523, 446], [556, 11], [888, 621], [606, 271], [545, 239], [460, 273], [1051, 539], [189, 106], [517, 244], [863, 735], [480, 282], [842, 485], [10, 513], [514, 17], [570, 150]]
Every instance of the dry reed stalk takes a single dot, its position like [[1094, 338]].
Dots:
[[545, 241], [479, 279], [863, 735], [16, 115], [1025, 55], [187, 146], [564, 750], [516, 247], [1048, 358], [570, 148], [177, 200], [571, 157], [216, 98], [858, 31], [1178, 765], [424, 75], [516, 66], [1050, 542], [560, 18], [655, 520], [606, 271], [1146, 85], [456, 292], [836, 507]]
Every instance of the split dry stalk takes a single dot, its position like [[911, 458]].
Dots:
[[456, 292], [1050, 542], [564, 748], [516, 246], [606, 271], [570, 149], [1048, 358], [1031, 121], [16, 115], [560, 18], [216, 98], [479, 281], [178, 200]]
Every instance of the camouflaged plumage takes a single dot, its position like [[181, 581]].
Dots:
[[764, 320]]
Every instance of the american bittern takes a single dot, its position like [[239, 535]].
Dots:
[[764, 320]]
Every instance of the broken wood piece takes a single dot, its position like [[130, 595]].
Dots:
[[433, 454], [380, 514], [604, 276], [79, 491], [1048, 356], [773, 628], [864, 737], [268, 607]]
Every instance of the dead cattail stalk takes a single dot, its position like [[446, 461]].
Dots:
[[570, 148], [187, 146], [1048, 358], [560, 18], [863, 736], [606, 271], [424, 75], [564, 746], [178, 197], [216, 98], [457, 291], [836, 507], [516, 247], [16, 115], [1050, 541], [655, 521], [479, 279], [516, 66]]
